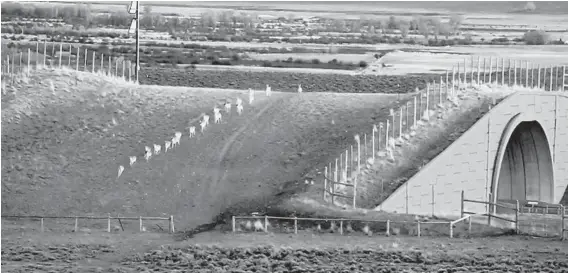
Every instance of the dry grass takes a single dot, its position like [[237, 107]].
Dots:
[[62, 150]]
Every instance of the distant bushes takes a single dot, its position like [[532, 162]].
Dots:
[[536, 37]]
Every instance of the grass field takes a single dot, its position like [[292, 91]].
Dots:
[[74, 138]]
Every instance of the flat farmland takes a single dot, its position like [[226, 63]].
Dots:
[[323, 57], [284, 81]]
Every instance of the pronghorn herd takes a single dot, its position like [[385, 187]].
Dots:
[[217, 116]]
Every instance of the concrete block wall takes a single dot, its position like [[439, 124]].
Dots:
[[468, 163]]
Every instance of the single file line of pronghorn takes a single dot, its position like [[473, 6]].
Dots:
[[176, 139]]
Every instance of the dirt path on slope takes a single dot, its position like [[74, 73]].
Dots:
[[218, 178]]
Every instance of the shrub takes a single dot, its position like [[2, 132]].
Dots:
[[536, 37], [363, 64], [316, 61]]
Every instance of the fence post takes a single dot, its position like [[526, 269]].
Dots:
[[61, 55], [76, 225], [233, 223], [478, 69], [109, 65], [427, 104], [517, 207], [373, 138], [172, 228], [388, 227], [451, 230], [325, 184], [453, 82], [563, 225], [527, 74], [108, 223], [406, 196], [447, 79], [365, 147], [490, 68], [441, 92], [295, 225], [123, 67], [116, 68], [472, 74], [78, 55], [563, 77], [413, 121], [129, 70], [265, 223], [341, 227], [538, 77], [93, 64], [400, 123], [8, 67], [86, 52], [41, 227], [70, 51], [29, 55], [21, 70], [418, 228], [140, 223], [551, 74], [503, 71], [462, 204], [515, 72], [433, 200]]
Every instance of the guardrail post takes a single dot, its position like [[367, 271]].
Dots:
[[234, 224], [41, 220], [265, 223], [341, 227], [388, 228], [108, 223], [141, 227], [172, 229], [451, 230], [76, 225], [517, 207]]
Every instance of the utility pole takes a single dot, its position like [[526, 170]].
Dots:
[[136, 25], [137, 40]]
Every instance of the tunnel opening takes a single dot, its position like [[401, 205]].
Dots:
[[525, 172]]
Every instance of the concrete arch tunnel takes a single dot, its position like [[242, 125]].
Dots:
[[517, 151], [523, 165]]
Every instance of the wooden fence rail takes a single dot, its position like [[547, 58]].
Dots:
[[108, 218], [340, 220]]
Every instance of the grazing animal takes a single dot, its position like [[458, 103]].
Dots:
[[203, 124], [120, 170], [227, 107], [268, 90], [216, 110], [132, 160], [251, 96], [206, 119], [367, 230], [191, 131], [157, 149], [258, 226], [167, 146], [147, 155], [176, 139], [218, 117], [239, 101], [300, 88], [248, 225], [239, 109]]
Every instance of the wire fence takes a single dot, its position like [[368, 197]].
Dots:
[[109, 218], [342, 174]]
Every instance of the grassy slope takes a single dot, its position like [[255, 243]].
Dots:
[[61, 156]]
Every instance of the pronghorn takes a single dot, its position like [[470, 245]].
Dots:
[[227, 107], [268, 90], [148, 153], [167, 146], [120, 170], [157, 149], [176, 139], [216, 110], [218, 117], [206, 119], [203, 124], [132, 160], [239, 101], [239, 109], [299, 88], [251, 96], [191, 131]]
